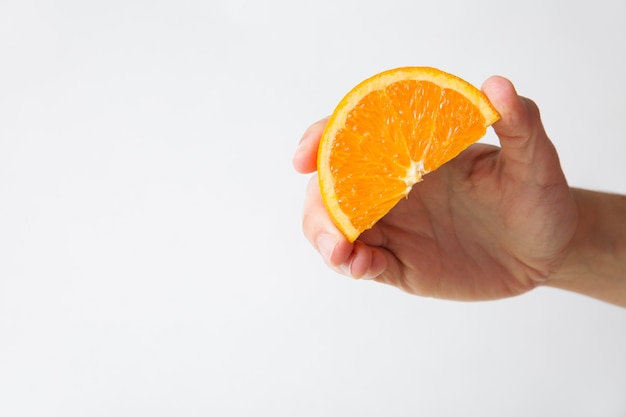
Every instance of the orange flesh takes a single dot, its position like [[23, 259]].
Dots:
[[398, 135]]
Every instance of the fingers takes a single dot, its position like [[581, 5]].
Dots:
[[356, 260], [320, 230], [305, 158]]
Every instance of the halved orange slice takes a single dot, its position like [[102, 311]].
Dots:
[[387, 133]]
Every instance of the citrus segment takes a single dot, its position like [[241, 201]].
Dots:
[[387, 133]]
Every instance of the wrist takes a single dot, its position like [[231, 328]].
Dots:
[[595, 264]]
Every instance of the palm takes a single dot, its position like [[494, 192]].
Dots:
[[465, 231]]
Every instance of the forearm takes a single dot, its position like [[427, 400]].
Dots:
[[596, 263]]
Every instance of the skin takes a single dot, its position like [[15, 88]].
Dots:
[[494, 222]]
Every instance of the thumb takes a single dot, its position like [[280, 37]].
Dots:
[[523, 139]]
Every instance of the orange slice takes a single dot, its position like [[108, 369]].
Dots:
[[387, 133]]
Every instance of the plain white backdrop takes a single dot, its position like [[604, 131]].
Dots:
[[151, 255]]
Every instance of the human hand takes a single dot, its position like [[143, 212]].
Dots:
[[493, 222]]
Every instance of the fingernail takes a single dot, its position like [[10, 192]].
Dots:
[[303, 140], [345, 269], [299, 150], [368, 276], [326, 245]]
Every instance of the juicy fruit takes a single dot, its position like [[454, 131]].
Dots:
[[387, 133]]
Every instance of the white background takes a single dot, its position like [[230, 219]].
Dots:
[[151, 255]]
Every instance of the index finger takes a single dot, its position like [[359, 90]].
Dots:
[[305, 158]]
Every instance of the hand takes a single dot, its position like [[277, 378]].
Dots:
[[492, 223]]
